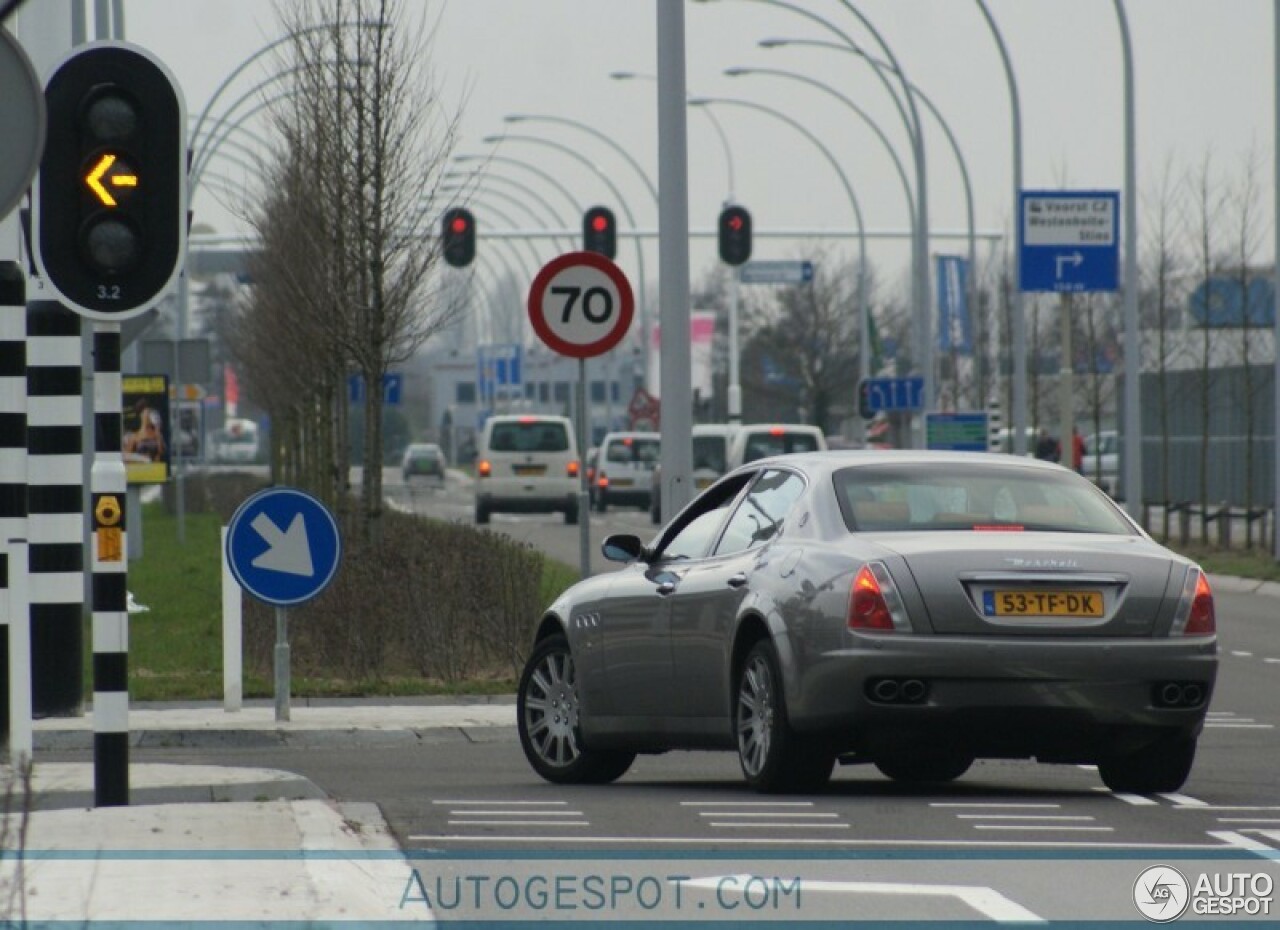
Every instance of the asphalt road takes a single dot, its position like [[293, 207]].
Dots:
[[1010, 840]]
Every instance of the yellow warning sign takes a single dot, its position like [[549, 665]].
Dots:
[[110, 544], [108, 510]]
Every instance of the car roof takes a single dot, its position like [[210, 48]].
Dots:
[[833, 460]]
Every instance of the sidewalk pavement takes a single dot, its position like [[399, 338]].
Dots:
[[219, 843]]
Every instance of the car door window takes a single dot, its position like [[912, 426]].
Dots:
[[693, 536], [759, 516]]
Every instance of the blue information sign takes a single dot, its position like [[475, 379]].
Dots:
[[283, 546], [886, 394], [1069, 241], [957, 432]]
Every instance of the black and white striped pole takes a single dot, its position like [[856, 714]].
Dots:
[[55, 499], [109, 232], [13, 505], [110, 577]]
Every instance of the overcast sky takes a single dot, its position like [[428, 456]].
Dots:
[[1204, 77]]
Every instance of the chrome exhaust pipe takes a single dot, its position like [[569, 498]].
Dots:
[[1192, 694], [913, 691], [1171, 694], [886, 690]]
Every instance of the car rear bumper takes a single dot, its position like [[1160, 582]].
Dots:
[[1060, 701], [517, 501]]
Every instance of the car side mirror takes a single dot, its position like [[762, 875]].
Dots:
[[622, 547]]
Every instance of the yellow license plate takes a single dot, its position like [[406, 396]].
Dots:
[[621, 482], [1080, 604], [525, 471]]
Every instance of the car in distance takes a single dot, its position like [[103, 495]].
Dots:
[[623, 469], [710, 461], [527, 464], [911, 610], [423, 460], [753, 441]]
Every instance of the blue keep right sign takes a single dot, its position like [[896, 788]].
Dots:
[[1069, 241], [283, 546]]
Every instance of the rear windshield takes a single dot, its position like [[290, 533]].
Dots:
[[709, 454], [639, 451], [958, 496], [529, 437], [763, 445]]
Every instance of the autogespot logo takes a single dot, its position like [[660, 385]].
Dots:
[[1161, 893]]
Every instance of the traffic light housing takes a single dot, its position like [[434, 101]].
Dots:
[[864, 400], [110, 201], [458, 235], [735, 235], [600, 232]]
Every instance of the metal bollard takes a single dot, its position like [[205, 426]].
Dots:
[[1224, 525]]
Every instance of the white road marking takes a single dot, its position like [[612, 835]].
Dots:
[[1241, 653], [997, 804], [505, 803], [1240, 841], [1022, 817], [746, 804], [1211, 725], [1272, 661], [986, 901], [756, 825], [810, 841], [1230, 807], [519, 823], [1247, 820], [763, 814], [1136, 800], [1041, 826], [1183, 800], [490, 812]]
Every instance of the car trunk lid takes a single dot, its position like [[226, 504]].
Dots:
[[1056, 584]]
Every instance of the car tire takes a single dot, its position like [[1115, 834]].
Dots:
[[773, 757], [547, 708], [482, 513], [1159, 768], [925, 766]]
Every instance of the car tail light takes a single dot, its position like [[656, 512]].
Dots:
[[483, 468], [1195, 614], [602, 480], [874, 603], [776, 431], [572, 469]]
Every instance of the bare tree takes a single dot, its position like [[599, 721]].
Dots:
[[364, 142]]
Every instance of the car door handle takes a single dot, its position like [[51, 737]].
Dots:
[[738, 580], [667, 587]]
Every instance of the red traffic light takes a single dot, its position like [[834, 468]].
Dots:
[[458, 224], [735, 235], [458, 232], [599, 232], [734, 222]]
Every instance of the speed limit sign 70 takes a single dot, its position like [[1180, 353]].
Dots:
[[581, 304]]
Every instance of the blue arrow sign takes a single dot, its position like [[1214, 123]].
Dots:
[[283, 546], [1069, 241], [886, 394]]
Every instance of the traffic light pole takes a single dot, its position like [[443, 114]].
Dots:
[[109, 560], [584, 496]]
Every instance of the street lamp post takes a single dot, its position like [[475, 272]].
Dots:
[[914, 89], [863, 309]]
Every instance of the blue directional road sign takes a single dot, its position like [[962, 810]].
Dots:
[[885, 394], [283, 546], [776, 272], [1069, 241], [957, 432]]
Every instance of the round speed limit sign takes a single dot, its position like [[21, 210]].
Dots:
[[581, 305]]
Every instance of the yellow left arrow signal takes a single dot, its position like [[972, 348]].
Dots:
[[100, 170]]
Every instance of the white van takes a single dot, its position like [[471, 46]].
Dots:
[[710, 461], [527, 464], [624, 469], [753, 441]]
